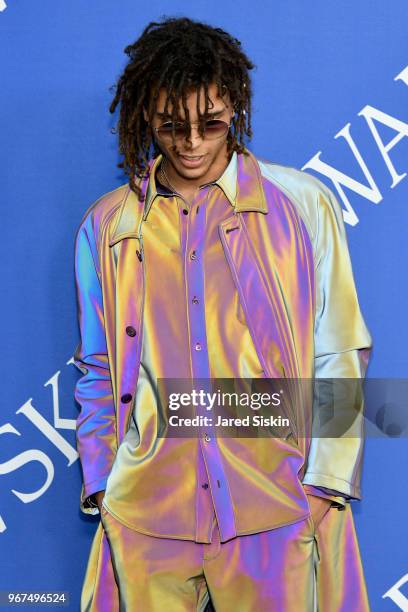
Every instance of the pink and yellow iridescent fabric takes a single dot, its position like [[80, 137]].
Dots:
[[204, 307], [283, 304], [289, 569]]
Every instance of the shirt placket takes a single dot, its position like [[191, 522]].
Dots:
[[212, 479]]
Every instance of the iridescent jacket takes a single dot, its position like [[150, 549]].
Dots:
[[286, 247]]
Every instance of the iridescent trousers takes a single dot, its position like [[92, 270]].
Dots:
[[296, 567]]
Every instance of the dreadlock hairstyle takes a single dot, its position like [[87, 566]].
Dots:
[[178, 54]]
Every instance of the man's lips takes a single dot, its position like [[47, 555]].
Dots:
[[191, 161]]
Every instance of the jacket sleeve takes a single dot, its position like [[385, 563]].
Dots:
[[95, 425], [342, 349]]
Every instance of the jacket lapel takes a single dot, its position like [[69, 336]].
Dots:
[[125, 246]]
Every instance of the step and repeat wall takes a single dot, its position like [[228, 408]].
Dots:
[[330, 97]]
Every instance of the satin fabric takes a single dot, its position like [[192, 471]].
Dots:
[[289, 261], [162, 474], [290, 568], [183, 305], [286, 249]]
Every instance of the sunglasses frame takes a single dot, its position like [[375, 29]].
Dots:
[[156, 129]]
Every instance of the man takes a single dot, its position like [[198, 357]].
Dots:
[[210, 264]]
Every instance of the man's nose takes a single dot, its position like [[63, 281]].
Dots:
[[194, 139]]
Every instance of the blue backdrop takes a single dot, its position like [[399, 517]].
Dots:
[[330, 96]]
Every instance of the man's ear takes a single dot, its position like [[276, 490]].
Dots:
[[145, 115]]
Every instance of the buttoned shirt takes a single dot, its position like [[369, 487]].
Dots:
[[194, 326]]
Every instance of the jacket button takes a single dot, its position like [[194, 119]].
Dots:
[[205, 485], [130, 331], [185, 211], [126, 398]]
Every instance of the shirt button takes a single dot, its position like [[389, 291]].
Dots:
[[195, 300], [126, 398], [205, 485], [198, 346], [185, 211], [207, 438], [193, 255], [130, 331]]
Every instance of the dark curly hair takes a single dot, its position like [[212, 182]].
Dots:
[[178, 54]]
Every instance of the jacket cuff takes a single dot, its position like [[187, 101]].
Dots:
[[344, 487], [87, 501]]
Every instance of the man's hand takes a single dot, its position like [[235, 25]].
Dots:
[[318, 507], [99, 497]]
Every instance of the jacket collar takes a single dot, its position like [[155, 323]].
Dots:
[[227, 182], [241, 183]]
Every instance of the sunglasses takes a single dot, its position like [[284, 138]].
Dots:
[[213, 128]]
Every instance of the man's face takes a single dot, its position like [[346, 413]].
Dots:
[[197, 157]]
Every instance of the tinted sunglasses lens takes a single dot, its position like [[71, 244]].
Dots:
[[215, 128], [166, 131]]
